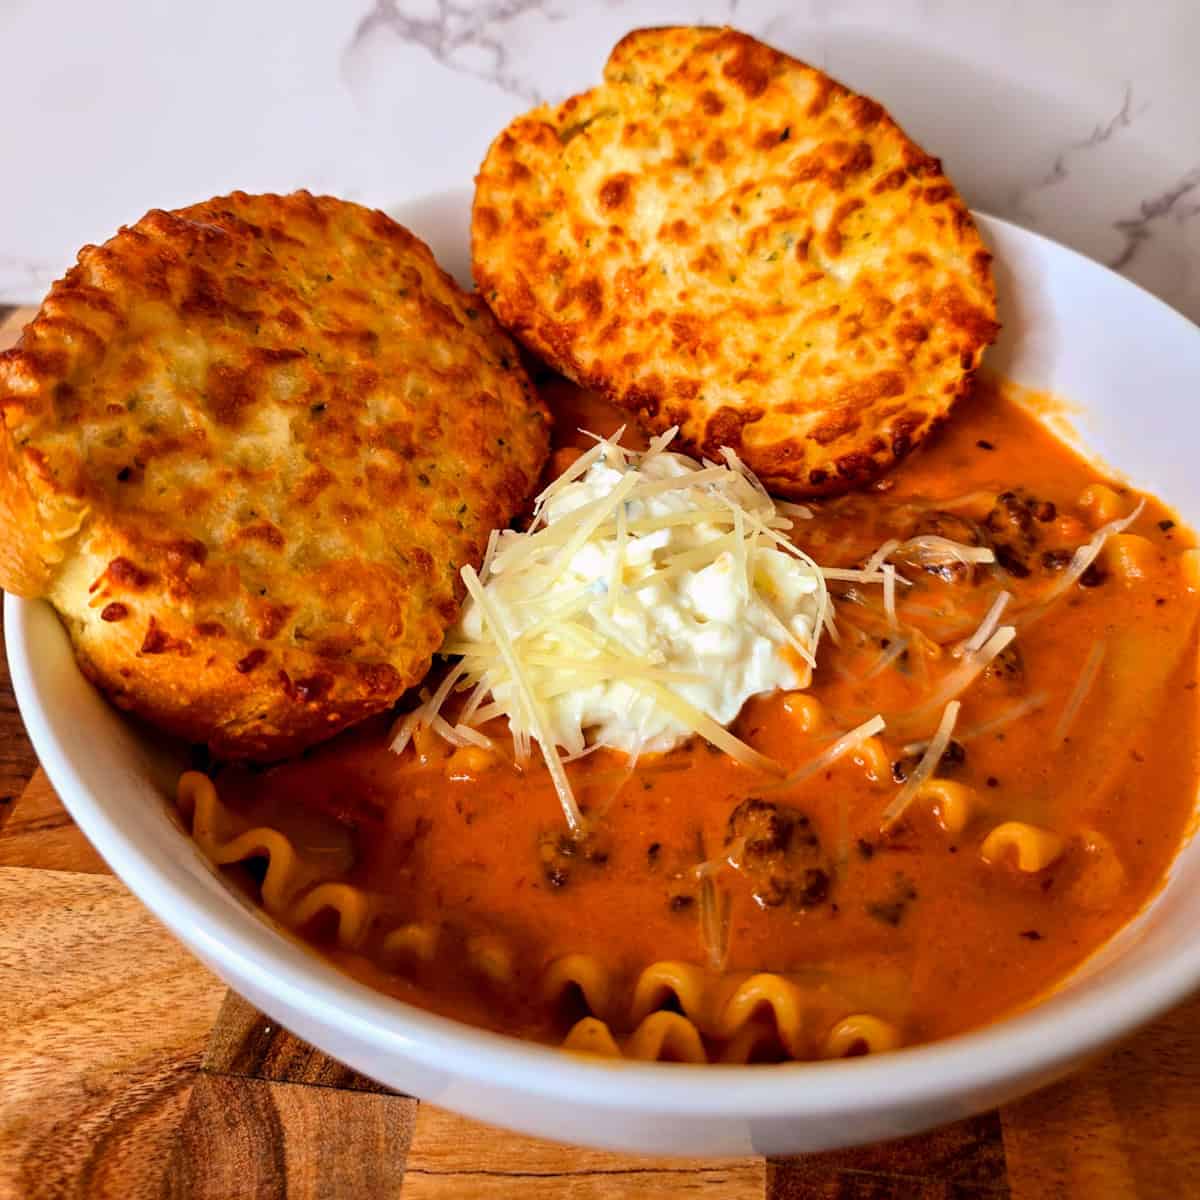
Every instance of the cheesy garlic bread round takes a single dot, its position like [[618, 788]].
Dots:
[[722, 238], [246, 447]]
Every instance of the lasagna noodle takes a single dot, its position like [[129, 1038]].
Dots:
[[674, 1011], [298, 886], [735, 1017]]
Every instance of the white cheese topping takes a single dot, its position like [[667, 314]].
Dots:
[[652, 597]]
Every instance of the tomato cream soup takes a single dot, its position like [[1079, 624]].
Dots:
[[706, 777]]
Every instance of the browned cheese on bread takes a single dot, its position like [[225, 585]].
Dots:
[[246, 447], [722, 238]]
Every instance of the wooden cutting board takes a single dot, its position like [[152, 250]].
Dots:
[[128, 1071]]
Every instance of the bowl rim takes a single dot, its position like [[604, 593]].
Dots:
[[1046, 1036]]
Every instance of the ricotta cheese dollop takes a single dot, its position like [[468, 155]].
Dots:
[[651, 598]]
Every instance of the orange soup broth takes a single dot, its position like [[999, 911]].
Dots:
[[916, 926]]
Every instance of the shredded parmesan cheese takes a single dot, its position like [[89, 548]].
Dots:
[[653, 597], [535, 717], [928, 549], [872, 565], [843, 746], [1080, 561], [715, 909], [403, 730], [1079, 693], [932, 550], [885, 660], [799, 511], [889, 594], [986, 627], [957, 681], [925, 768], [1022, 709]]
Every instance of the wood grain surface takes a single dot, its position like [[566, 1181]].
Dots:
[[128, 1071]]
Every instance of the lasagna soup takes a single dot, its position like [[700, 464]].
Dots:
[[702, 777]]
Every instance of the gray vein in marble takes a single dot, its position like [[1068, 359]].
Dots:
[[1101, 134], [458, 34], [1138, 229]]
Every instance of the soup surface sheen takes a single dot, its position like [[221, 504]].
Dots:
[[710, 913]]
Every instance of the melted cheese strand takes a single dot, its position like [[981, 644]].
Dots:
[[885, 660], [427, 711], [925, 768], [708, 729], [447, 732], [932, 550], [435, 702], [616, 576], [965, 674], [715, 911], [986, 627], [872, 565], [476, 698], [1079, 693], [788, 508], [536, 716], [657, 445], [1015, 713], [1032, 704], [490, 712], [577, 469], [1080, 561], [474, 737], [403, 730], [855, 575], [844, 745], [493, 543], [889, 595]]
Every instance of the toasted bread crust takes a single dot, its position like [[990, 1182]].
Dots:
[[245, 449], [722, 238]]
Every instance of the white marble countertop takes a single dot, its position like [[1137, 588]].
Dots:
[[1078, 118]]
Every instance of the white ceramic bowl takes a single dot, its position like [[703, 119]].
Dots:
[[1133, 365]]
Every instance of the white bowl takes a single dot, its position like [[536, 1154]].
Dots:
[[1071, 326]]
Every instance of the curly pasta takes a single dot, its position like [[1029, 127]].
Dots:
[[408, 945], [579, 971], [1128, 557], [742, 1015], [666, 1037], [491, 957], [859, 1033], [661, 1037], [350, 905], [224, 839], [676, 1011], [872, 755], [1033, 848], [950, 803], [806, 711], [297, 887]]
